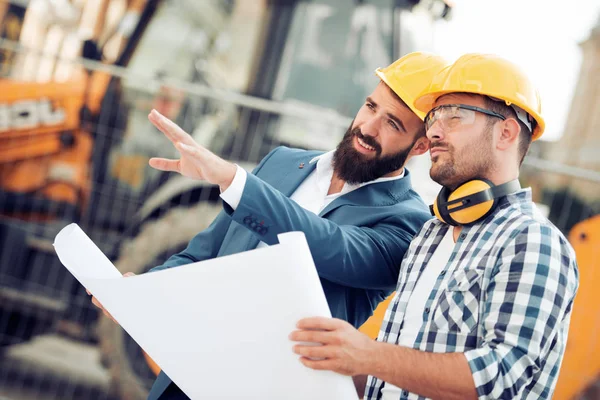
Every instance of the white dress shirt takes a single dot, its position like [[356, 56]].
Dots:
[[312, 192]]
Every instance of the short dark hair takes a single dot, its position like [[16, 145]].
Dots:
[[525, 135]]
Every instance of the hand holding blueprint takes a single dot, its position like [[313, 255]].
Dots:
[[218, 328]]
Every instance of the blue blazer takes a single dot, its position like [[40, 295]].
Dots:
[[357, 242]]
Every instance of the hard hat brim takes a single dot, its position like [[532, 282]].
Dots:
[[406, 98], [426, 103]]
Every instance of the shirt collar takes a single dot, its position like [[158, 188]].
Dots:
[[520, 196], [521, 199]]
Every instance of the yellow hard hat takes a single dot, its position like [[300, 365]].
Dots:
[[410, 75], [487, 75]]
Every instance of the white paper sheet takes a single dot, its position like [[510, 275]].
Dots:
[[218, 328]]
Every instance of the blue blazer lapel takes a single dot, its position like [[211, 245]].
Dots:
[[372, 194], [350, 198], [295, 175]]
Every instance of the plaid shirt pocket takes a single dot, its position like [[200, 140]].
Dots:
[[458, 307]]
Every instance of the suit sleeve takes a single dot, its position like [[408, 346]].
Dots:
[[359, 257], [206, 244]]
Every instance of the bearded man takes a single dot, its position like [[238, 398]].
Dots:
[[355, 204]]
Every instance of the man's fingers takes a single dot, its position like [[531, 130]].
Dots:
[[197, 152], [324, 337], [171, 130], [184, 148], [99, 305], [329, 365], [96, 302], [159, 121], [175, 133], [109, 316], [164, 164], [320, 352], [320, 323]]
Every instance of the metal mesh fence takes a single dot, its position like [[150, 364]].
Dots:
[[43, 309]]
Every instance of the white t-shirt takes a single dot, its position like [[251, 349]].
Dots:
[[413, 319]]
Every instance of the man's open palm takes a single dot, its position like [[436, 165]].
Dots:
[[195, 161]]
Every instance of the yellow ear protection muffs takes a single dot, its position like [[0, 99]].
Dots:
[[470, 202]]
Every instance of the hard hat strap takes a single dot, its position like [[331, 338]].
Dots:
[[522, 115]]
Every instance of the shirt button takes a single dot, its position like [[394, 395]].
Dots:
[[443, 273], [427, 310], [405, 393], [463, 236]]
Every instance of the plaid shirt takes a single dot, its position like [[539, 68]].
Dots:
[[504, 299]]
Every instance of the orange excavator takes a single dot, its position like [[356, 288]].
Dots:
[[51, 150], [47, 127], [45, 150]]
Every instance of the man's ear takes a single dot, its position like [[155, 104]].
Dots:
[[420, 147], [509, 134]]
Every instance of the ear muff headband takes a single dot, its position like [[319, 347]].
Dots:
[[476, 199], [442, 212]]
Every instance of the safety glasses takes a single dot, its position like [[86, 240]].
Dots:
[[451, 116]]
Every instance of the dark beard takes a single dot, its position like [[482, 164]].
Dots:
[[353, 167], [452, 174]]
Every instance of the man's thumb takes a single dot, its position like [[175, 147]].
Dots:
[[164, 164]]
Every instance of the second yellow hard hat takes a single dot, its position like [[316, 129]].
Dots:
[[487, 75]]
